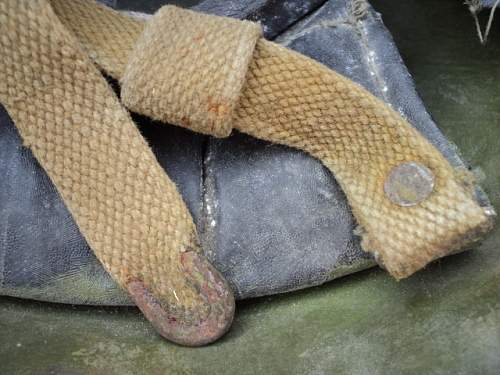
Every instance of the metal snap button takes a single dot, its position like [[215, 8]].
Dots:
[[409, 184]]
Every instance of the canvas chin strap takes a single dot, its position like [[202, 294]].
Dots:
[[209, 74]]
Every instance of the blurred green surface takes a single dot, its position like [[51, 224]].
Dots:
[[444, 320]]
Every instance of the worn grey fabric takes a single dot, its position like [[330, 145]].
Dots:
[[488, 3], [227, 183], [275, 16]]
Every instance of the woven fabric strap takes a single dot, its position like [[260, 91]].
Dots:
[[126, 207], [209, 74]]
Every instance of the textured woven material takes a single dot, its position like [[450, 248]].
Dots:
[[126, 207], [291, 99], [296, 101], [173, 64], [287, 98]]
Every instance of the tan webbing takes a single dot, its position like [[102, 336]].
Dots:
[[291, 99], [296, 101], [175, 68], [128, 210]]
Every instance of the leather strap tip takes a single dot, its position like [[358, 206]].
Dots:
[[186, 330]]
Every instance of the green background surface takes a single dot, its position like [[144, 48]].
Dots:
[[443, 320]]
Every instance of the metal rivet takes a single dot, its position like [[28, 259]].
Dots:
[[409, 183]]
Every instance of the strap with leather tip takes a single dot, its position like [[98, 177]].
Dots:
[[126, 207], [209, 74]]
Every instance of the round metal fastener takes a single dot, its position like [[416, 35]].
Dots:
[[409, 183]]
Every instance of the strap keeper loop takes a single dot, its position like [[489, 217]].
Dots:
[[189, 68]]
